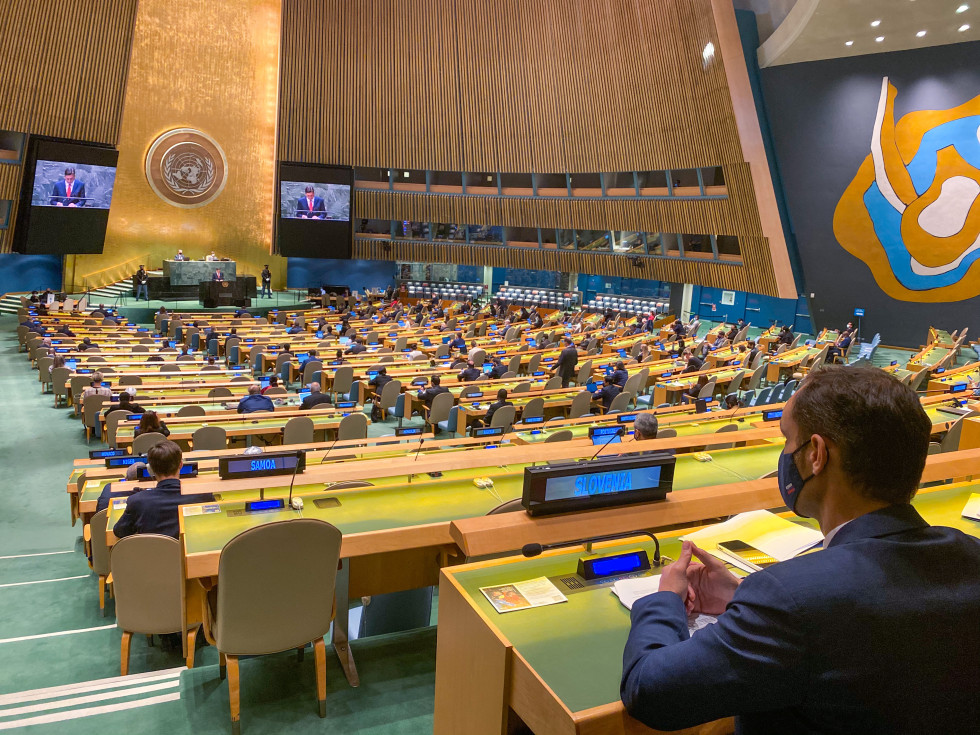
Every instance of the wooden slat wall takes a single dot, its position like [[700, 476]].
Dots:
[[523, 86], [62, 73]]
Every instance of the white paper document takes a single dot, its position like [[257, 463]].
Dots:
[[972, 508], [630, 590], [776, 536], [523, 595]]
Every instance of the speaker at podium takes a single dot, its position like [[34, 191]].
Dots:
[[224, 293]]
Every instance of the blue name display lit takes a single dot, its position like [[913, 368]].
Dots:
[[269, 464], [622, 564], [602, 483], [262, 464]]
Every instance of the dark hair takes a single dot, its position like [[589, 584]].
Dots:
[[165, 459], [124, 397], [149, 421], [877, 424], [308, 189], [620, 365], [502, 394], [435, 380], [69, 171]]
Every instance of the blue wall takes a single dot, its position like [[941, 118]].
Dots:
[[312, 272], [524, 277], [592, 285], [760, 311], [469, 273], [29, 272]]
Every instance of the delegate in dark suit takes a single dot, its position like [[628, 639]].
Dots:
[[431, 392], [311, 208], [834, 640], [60, 194], [155, 510], [565, 367]]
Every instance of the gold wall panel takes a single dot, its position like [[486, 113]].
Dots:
[[37, 95], [212, 66], [534, 86]]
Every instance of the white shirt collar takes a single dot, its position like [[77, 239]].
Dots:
[[833, 532]]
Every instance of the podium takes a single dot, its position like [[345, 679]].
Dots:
[[213, 294], [192, 272]]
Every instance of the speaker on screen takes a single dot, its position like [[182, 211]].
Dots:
[[64, 197], [315, 210]]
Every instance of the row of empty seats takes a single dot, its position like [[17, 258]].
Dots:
[[543, 297], [630, 305], [444, 290]]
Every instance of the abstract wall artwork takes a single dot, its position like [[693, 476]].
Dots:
[[912, 212]]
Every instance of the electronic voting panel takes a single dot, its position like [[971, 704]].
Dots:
[[600, 483]]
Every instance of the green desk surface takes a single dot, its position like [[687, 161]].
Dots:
[[396, 503], [577, 647], [686, 428]]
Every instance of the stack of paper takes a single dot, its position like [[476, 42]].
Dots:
[[972, 508], [630, 590], [776, 536]]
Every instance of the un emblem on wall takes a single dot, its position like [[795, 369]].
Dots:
[[186, 168]]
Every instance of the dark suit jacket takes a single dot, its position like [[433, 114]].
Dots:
[[314, 399], [693, 365], [492, 409], [470, 374], [878, 633], [620, 377], [355, 349], [303, 208], [567, 360], [155, 510], [60, 194], [431, 392], [108, 494], [218, 276], [607, 393]]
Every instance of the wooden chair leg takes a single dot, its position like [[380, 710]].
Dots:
[[191, 640], [222, 665], [320, 652], [234, 694], [102, 595], [124, 653]]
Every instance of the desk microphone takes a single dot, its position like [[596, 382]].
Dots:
[[738, 408], [419, 449], [329, 449], [607, 443], [531, 550], [296, 504]]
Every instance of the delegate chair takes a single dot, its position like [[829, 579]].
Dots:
[[621, 402], [559, 436], [210, 438], [532, 409], [343, 381], [298, 430], [724, 429], [354, 426], [143, 442], [149, 590], [439, 411], [100, 553], [130, 380], [265, 602], [389, 394], [192, 410], [59, 384], [581, 405], [91, 407], [504, 417]]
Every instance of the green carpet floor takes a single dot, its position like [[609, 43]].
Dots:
[[53, 639]]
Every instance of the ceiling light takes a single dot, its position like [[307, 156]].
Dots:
[[920, 34], [962, 8], [709, 52], [849, 43], [875, 23], [964, 27], [880, 39]]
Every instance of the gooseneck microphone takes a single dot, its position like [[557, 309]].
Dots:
[[531, 550], [299, 501], [607, 443], [419, 449]]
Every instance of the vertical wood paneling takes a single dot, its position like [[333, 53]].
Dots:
[[62, 74], [547, 86]]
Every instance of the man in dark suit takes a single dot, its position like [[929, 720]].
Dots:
[[180, 256], [218, 275], [357, 347], [753, 351], [69, 192], [876, 633], [470, 373], [313, 357], [120, 490], [498, 369], [379, 381], [315, 398], [619, 375], [310, 206], [607, 392], [142, 279], [155, 510], [266, 282], [567, 360], [458, 343], [427, 394], [492, 408], [839, 348], [694, 363]]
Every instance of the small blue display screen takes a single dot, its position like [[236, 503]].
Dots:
[[772, 415], [489, 431], [621, 564]]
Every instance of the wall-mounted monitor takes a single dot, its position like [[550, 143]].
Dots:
[[65, 196], [315, 204]]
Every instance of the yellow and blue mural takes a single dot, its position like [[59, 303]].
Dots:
[[912, 212]]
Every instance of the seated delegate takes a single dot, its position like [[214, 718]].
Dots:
[[877, 633]]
